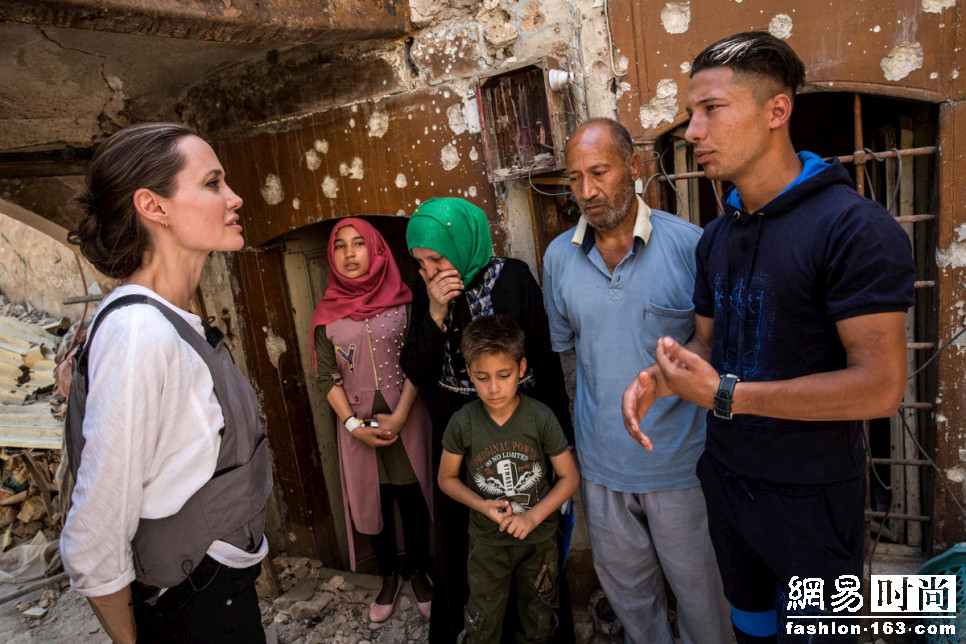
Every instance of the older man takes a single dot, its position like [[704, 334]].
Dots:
[[615, 284]]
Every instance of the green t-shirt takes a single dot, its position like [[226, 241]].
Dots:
[[507, 462]]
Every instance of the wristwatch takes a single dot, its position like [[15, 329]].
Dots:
[[723, 398]]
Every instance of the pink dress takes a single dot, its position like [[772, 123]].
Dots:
[[367, 354]]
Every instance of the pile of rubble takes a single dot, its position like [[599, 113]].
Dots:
[[321, 605], [31, 421]]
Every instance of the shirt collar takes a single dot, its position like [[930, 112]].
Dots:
[[642, 227]]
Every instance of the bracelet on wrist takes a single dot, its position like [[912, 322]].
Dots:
[[351, 423]]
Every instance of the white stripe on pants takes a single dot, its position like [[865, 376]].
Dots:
[[633, 537]]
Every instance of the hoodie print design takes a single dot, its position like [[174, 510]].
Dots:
[[749, 322]]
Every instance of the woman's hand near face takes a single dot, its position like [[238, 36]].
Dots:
[[445, 286]]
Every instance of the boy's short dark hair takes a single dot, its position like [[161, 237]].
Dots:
[[491, 334], [755, 53]]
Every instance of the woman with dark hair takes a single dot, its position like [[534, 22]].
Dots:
[[357, 331], [462, 280], [165, 533]]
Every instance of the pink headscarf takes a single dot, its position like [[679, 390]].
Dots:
[[360, 297]]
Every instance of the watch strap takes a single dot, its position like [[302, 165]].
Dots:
[[725, 395]]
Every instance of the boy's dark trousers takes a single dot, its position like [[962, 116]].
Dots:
[[492, 569]]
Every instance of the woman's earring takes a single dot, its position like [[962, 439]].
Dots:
[[165, 222]]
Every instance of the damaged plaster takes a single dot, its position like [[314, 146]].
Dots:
[[321, 146], [423, 13], [401, 181], [498, 30], [676, 17], [354, 171], [330, 187], [378, 123], [449, 157], [952, 257], [312, 160], [937, 6], [780, 26], [448, 50], [454, 114], [902, 61], [532, 17], [274, 345], [272, 191], [663, 107]]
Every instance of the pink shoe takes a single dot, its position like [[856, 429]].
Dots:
[[422, 590], [385, 602]]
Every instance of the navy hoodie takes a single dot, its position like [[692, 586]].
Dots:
[[776, 281]]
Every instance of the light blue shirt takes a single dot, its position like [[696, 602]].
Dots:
[[614, 321]]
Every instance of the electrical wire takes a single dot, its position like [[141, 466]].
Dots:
[[925, 455], [538, 190], [869, 182], [936, 354], [882, 522], [920, 449], [610, 42], [662, 173]]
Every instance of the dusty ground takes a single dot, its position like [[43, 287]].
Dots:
[[319, 605], [68, 619]]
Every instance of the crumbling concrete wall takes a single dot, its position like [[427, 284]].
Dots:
[[38, 268], [432, 74]]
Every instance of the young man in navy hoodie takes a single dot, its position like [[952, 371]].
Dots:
[[800, 298]]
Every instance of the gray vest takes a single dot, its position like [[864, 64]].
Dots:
[[230, 507]]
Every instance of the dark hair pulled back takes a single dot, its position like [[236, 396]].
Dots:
[[110, 234]]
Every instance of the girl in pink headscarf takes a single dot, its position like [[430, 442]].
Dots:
[[358, 330]]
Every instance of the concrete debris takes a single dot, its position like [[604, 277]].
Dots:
[[32, 509], [31, 420], [311, 607], [35, 612], [338, 610], [302, 591]]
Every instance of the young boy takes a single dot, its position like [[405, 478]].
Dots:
[[505, 438]]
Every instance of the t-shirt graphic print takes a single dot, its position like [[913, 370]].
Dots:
[[507, 461]]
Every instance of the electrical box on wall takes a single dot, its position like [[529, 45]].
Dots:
[[523, 120]]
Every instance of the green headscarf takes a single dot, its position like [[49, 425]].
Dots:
[[454, 228]]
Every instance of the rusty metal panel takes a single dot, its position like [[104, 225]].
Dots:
[[381, 158], [523, 122], [950, 525], [240, 21], [274, 367], [891, 47]]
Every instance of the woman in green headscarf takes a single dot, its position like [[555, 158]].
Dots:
[[462, 280]]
